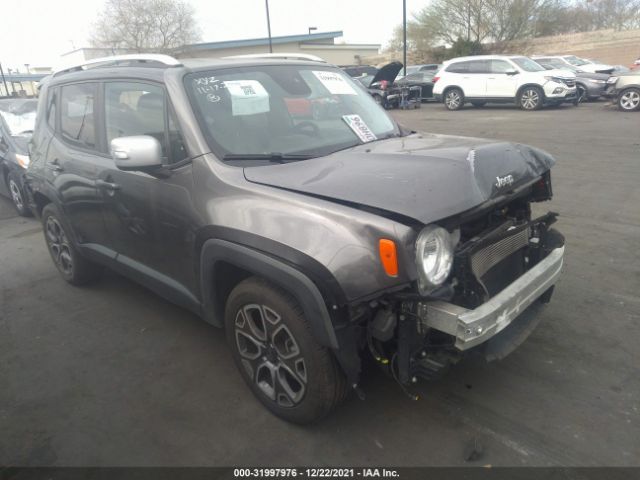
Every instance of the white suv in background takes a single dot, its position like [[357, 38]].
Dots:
[[503, 79]]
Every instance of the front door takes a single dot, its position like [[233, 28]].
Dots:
[[149, 216], [499, 83]]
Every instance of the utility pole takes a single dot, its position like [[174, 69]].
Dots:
[[269, 26], [4, 81], [404, 36]]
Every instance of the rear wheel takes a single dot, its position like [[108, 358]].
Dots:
[[454, 99], [73, 267], [531, 98], [629, 100], [17, 195], [272, 345]]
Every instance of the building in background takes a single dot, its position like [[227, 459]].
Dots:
[[321, 44], [79, 55], [21, 84]]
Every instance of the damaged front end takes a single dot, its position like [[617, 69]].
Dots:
[[503, 265]]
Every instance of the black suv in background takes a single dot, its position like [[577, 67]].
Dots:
[[276, 199]]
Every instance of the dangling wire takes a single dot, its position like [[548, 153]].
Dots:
[[393, 373]]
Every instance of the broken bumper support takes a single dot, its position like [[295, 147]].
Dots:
[[473, 327]]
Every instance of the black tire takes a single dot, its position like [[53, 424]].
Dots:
[[478, 104], [274, 349], [629, 100], [453, 99], [17, 195], [73, 267], [531, 98], [581, 92]]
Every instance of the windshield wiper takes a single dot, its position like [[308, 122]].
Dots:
[[272, 157]]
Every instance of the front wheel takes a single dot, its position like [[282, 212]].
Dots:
[[629, 100], [17, 195], [272, 345], [531, 98], [454, 99]]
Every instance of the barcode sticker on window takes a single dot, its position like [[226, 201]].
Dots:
[[248, 97], [360, 128]]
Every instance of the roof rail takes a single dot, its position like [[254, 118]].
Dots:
[[281, 56], [150, 58]]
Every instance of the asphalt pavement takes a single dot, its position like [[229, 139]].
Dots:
[[112, 375]]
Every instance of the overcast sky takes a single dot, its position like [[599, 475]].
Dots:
[[37, 32]]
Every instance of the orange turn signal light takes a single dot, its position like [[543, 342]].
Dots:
[[388, 256]]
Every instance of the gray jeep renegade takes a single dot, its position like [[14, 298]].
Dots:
[[276, 199]]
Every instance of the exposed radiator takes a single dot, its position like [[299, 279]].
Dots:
[[486, 258]]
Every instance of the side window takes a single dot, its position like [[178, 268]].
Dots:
[[500, 66], [460, 67], [51, 108], [77, 121], [479, 66], [133, 108]]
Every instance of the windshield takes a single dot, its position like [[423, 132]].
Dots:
[[557, 63], [573, 60], [19, 115], [310, 110], [527, 64]]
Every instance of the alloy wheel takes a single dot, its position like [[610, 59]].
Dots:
[[270, 354], [453, 100], [530, 99], [16, 195], [59, 245], [630, 100]]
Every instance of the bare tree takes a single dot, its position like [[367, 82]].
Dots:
[[145, 25]]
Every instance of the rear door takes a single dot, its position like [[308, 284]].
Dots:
[[74, 161], [479, 73], [470, 76], [499, 83]]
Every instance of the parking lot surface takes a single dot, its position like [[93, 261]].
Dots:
[[113, 375]]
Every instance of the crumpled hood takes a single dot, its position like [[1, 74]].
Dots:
[[422, 176]]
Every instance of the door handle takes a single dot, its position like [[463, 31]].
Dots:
[[54, 166], [107, 185]]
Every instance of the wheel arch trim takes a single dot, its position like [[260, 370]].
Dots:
[[215, 251]]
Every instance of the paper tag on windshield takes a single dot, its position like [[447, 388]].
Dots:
[[335, 83], [248, 97], [360, 128]]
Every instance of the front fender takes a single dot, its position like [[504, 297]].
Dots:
[[298, 284]]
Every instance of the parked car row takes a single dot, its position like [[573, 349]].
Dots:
[[530, 83], [17, 120]]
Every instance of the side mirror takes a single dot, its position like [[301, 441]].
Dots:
[[141, 152], [511, 72]]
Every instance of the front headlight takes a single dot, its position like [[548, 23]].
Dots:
[[554, 79], [612, 80], [434, 257], [597, 81], [23, 160]]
